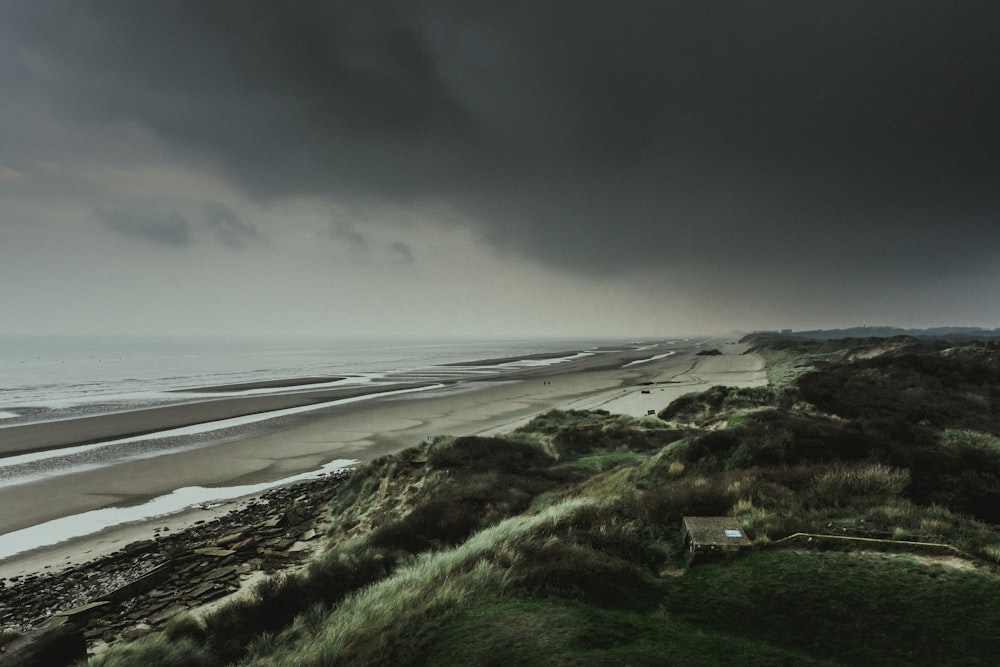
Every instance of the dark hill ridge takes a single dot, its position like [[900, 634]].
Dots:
[[560, 543], [957, 334]]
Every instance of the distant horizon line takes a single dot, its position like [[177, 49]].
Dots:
[[439, 337]]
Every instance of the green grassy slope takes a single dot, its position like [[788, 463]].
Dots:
[[560, 543]]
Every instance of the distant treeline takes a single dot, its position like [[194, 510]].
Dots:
[[949, 333]]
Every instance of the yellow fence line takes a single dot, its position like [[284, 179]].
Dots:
[[871, 540]]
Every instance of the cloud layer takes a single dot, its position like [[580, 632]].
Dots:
[[818, 150]]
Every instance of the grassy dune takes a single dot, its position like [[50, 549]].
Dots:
[[560, 543]]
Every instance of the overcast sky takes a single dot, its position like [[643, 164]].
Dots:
[[502, 168]]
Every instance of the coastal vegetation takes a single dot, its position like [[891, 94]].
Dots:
[[866, 474]]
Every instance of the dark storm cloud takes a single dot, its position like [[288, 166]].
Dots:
[[834, 137], [170, 230]]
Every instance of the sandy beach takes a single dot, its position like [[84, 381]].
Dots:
[[71, 432], [625, 382]]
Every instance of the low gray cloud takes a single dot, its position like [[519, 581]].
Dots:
[[171, 230], [227, 226], [400, 252], [347, 236], [360, 246]]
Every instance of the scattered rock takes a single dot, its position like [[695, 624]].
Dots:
[[230, 539], [295, 514], [215, 552], [140, 547], [220, 573], [142, 584], [248, 543], [83, 613], [147, 582]]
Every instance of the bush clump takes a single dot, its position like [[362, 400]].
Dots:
[[555, 421], [277, 601], [429, 526], [777, 438], [944, 390], [665, 505], [709, 404], [476, 454], [862, 485]]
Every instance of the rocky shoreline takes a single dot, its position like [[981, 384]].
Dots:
[[138, 588]]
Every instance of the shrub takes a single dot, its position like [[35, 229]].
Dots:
[[184, 626], [554, 421], [440, 522], [946, 390], [274, 603], [796, 477], [477, 454], [571, 443], [992, 551], [863, 485], [371, 625], [536, 440], [666, 504], [713, 402], [277, 601], [600, 462], [777, 438], [963, 439], [959, 470]]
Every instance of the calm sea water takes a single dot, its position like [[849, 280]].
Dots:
[[44, 377]]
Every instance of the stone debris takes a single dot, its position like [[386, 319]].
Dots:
[[140, 547], [139, 588], [243, 545], [214, 552], [231, 539]]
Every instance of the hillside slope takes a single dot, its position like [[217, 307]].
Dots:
[[560, 543]]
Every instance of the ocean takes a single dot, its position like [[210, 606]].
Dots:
[[56, 377]]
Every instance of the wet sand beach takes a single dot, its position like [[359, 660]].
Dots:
[[43, 436]]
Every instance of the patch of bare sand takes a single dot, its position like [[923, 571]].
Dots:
[[732, 368]]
